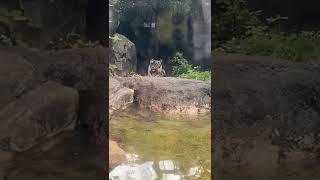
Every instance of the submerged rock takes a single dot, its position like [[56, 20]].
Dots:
[[143, 171]]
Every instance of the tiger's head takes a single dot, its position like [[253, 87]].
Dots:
[[155, 65]]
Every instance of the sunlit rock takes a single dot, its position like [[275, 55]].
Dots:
[[143, 171], [167, 165], [171, 177], [132, 158], [119, 97], [195, 171], [170, 95]]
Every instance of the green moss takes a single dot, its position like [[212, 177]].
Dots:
[[157, 137]]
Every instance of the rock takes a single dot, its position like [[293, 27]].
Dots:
[[167, 165], [24, 70], [119, 97], [170, 95], [171, 177], [5, 156], [143, 171], [114, 86], [123, 55], [132, 158], [39, 114], [116, 154], [16, 77], [265, 114], [83, 69], [195, 171]]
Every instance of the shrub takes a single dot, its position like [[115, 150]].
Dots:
[[186, 71], [297, 47]]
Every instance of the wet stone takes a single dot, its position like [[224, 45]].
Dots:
[[143, 171], [167, 165]]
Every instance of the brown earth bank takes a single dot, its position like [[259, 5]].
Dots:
[[46, 93], [265, 115]]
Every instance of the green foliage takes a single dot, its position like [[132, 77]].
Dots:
[[296, 47], [232, 19], [183, 65], [238, 30], [186, 71], [198, 75]]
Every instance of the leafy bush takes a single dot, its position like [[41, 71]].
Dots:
[[186, 71], [198, 75], [302, 46], [183, 65], [236, 29], [232, 19]]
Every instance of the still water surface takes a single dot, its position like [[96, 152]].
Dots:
[[176, 147]]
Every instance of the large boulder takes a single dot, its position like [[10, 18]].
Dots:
[[123, 55], [82, 69], [16, 77], [37, 115], [266, 114], [170, 95], [79, 74]]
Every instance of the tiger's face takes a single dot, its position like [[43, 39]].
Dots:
[[155, 65]]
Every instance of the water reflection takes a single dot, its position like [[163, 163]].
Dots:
[[135, 169], [173, 148]]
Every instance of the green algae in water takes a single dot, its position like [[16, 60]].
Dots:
[[155, 137]]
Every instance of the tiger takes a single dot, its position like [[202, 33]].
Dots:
[[155, 68]]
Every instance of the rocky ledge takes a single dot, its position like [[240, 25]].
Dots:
[[170, 95]]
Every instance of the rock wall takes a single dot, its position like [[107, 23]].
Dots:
[[266, 114], [46, 93]]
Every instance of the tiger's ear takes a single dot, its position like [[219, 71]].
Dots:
[[160, 60], [151, 60]]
